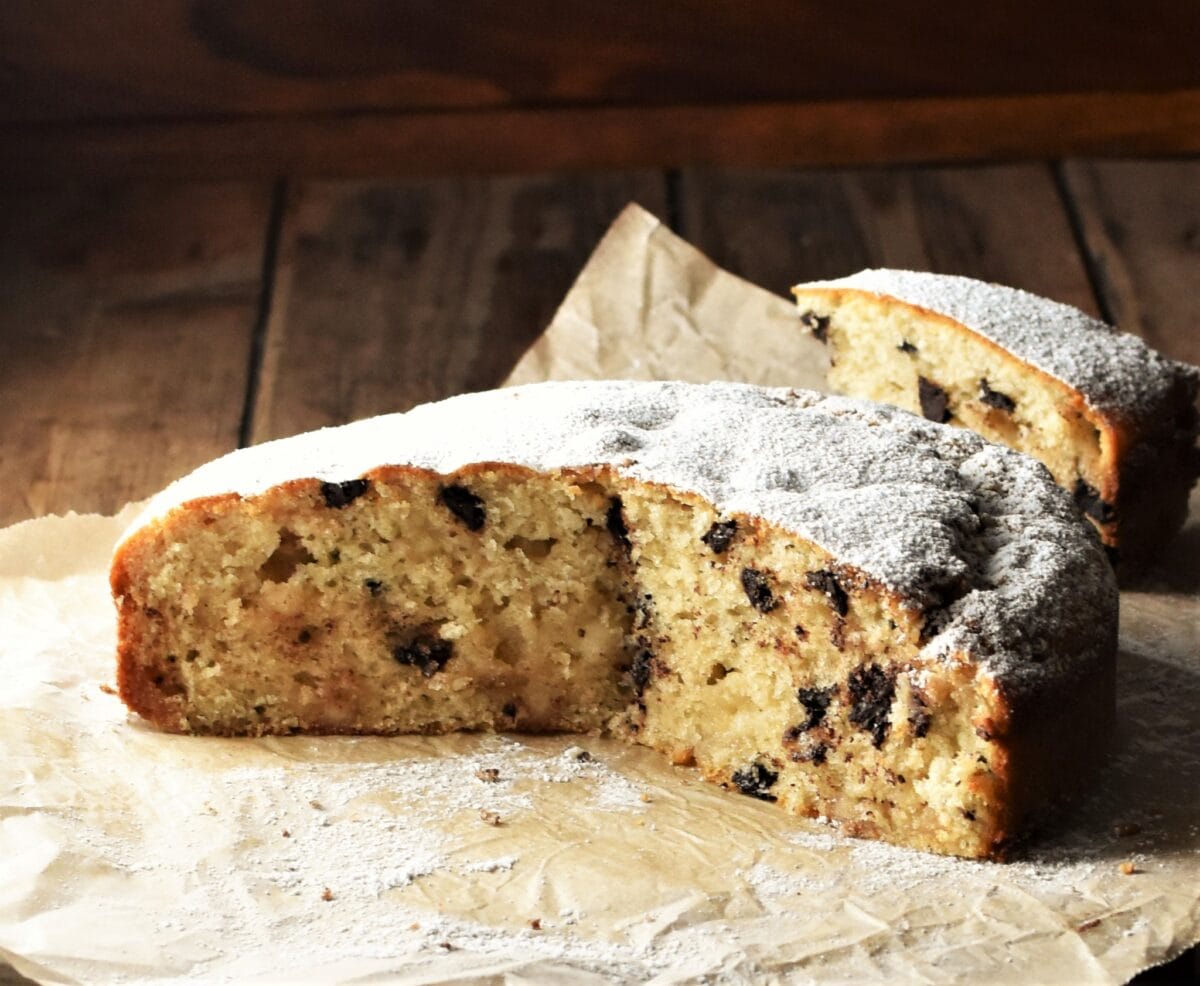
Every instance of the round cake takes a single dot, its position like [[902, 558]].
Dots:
[[819, 602], [1114, 421]]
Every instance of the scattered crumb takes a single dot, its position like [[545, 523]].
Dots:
[[316, 804], [1128, 868], [326, 894], [108, 689], [1088, 925], [683, 758], [446, 945], [646, 797], [491, 817], [287, 834], [489, 775], [415, 926], [1126, 829], [535, 924], [577, 753]]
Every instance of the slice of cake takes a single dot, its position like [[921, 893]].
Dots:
[[1113, 421], [819, 602]]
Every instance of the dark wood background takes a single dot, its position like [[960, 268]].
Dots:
[[225, 88]]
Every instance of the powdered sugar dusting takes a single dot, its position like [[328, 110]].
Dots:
[[936, 514], [1117, 373]]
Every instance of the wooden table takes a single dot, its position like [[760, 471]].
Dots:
[[148, 327]]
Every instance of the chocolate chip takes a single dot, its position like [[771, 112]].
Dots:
[[305, 636], [968, 814], [756, 781], [614, 520], [935, 403], [509, 710], [758, 590], [907, 347], [801, 633], [818, 325], [1087, 498], [642, 670], [803, 749], [374, 586], [919, 718], [337, 495], [871, 691], [424, 651], [816, 704], [827, 582], [719, 535], [993, 398], [464, 504]]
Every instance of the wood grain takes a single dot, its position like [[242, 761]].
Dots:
[[388, 295], [1140, 224], [1002, 223], [126, 316], [521, 140], [107, 59]]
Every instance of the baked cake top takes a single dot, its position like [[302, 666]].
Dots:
[[1117, 373], [977, 535]]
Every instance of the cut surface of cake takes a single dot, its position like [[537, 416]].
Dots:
[[1113, 421], [819, 602]]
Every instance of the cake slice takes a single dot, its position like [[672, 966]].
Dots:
[[1113, 421], [821, 603]]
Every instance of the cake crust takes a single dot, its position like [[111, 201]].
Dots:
[[773, 584]]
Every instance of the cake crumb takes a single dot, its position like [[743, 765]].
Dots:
[[108, 689], [684, 758], [535, 924], [326, 894], [646, 797], [491, 817], [446, 945], [1128, 868], [1088, 925], [415, 926], [316, 804], [489, 775]]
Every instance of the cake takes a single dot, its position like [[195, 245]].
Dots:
[[818, 602], [1114, 421]]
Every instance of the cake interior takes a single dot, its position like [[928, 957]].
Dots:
[[896, 354], [504, 599]]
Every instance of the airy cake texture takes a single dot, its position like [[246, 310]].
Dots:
[[818, 602], [1113, 421]]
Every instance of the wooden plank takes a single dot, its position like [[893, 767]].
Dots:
[[1002, 223], [126, 318], [1140, 223], [390, 294], [495, 141], [65, 60]]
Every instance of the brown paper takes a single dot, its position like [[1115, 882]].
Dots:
[[129, 855]]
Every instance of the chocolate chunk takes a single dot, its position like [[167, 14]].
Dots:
[[641, 671], [374, 586], [803, 749], [816, 704], [1087, 499], [337, 495], [818, 325], [424, 651], [756, 781], [919, 718], [827, 582], [935, 403], [758, 590], [614, 520], [464, 504], [719, 535], [871, 692], [801, 633], [907, 347], [993, 398]]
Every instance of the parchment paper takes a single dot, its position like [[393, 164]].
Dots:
[[131, 856]]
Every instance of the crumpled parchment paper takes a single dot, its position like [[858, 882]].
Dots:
[[127, 855]]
